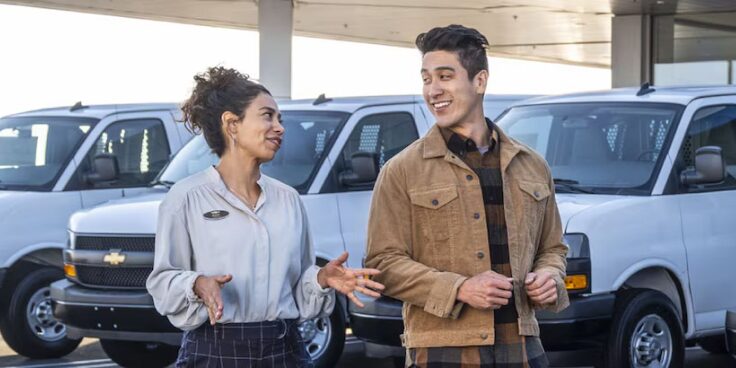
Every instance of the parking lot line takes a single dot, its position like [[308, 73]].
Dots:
[[82, 363]]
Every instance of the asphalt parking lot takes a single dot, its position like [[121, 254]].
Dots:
[[90, 355]]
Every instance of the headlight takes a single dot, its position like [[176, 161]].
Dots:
[[577, 245], [578, 276]]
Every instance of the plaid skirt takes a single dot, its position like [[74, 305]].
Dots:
[[528, 353], [244, 345]]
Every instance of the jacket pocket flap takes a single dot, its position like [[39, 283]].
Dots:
[[435, 198], [538, 191]]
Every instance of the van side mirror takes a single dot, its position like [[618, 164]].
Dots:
[[104, 168], [364, 172], [709, 167]]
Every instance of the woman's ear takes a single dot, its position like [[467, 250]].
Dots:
[[230, 123]]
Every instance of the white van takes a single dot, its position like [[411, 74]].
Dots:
[[54, 162], [332, 152]]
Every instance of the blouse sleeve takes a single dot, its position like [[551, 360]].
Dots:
[[171, 283]]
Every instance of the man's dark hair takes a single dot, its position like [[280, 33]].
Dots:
[[218, 90], [469, 44]]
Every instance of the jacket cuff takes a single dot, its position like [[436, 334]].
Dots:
[[563, 299], [310, 280], [189, 292], [442, 299]]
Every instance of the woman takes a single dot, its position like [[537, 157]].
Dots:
[[233, 245]]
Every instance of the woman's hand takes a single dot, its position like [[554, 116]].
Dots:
[[208, 288], [348, 280]]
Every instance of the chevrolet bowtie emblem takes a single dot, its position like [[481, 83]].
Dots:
[[114, 258]]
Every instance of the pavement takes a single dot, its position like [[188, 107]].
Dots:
[[90, 355]]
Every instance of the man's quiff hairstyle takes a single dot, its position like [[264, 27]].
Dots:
[[469, 44]]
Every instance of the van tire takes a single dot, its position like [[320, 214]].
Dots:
[[140, 353], [646, 318], [29, 314], [325, 352]]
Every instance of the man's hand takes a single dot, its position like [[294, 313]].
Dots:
[[347, 280], [208, 289], [541, 288], [488, 290]]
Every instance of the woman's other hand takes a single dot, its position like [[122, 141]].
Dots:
[[347, 280], [208, 288]]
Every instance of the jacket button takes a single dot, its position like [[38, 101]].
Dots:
[[469, 177], [476, 215], [435, 202], [484, 336], [480, 255], [536, 194]]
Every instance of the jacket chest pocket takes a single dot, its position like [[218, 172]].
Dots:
[[534, 197], [436, 211]]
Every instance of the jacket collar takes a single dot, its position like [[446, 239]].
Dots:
[[435, 146]]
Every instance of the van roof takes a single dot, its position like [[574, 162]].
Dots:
[[682, 95], [345, 104]]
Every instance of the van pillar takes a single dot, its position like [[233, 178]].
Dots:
[[275, 28]]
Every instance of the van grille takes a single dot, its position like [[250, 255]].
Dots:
[[126, 244], [106, 276], [120, 277]]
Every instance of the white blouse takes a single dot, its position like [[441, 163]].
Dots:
[[204, 229]]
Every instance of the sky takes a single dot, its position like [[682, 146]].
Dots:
[[56, 58]]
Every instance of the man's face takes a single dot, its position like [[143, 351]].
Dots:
[[449, 94]]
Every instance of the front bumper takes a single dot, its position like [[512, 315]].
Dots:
[[731, 331], [110, 314], [581, 325], [379, 322]]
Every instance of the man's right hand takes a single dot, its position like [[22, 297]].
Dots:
[[488, 290], [208, 288]]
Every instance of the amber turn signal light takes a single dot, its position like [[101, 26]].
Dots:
[[576, 282]]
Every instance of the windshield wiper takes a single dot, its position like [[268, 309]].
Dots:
[[571, 186], [166, 183]]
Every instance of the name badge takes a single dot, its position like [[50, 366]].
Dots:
[[216, 215]]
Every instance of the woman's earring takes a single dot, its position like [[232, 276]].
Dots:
[[234, 141]]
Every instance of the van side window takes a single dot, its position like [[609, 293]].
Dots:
[[711, 126], [140, 148], [376, 137]]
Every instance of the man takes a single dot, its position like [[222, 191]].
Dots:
[[464, 226]]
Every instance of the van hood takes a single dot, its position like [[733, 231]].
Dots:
[[139, 215], [132, 215], [571, 205]]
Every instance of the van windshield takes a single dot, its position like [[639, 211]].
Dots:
[[35, 150], [606, 148], [307, 139]]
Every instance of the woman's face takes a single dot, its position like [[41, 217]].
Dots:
[[259, 133]]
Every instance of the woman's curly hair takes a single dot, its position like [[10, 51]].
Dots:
[[218, 90]]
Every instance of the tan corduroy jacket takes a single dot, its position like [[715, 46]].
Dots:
[[423, 236]]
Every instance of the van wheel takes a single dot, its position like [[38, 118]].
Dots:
[[714, 344], [29, 326], [140, 353], [645, 332], [325, 337]]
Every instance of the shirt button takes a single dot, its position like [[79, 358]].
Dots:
[[435, 202], [480, 255], [469, 177], [484, 336], [476, 215]]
